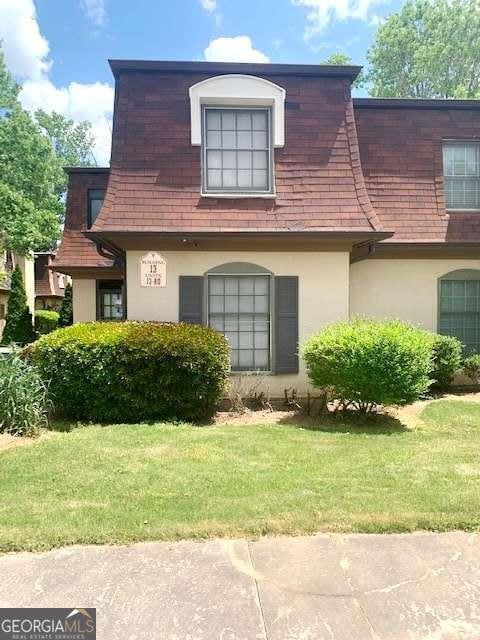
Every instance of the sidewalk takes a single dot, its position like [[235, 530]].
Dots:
[[338, 587]]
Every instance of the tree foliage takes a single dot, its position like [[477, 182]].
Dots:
[[343, 59], [18, 326], [428, 49], [33, 152], [66, 309]]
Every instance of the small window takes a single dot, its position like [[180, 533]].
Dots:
[[239, 307], [2, 311], [110, 300], [459, 313], [95, 201], [237, 153], [461, 171]]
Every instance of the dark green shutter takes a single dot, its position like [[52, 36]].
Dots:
[[286, 324], [191, 299]]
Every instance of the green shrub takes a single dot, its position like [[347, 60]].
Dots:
[[368, 362], [24, 400], [471, 367], [447, 359], [133, 371], [46, 321], [66, 309], [18, 325]]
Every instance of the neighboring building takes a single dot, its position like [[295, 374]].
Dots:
[[262, 200], [8, 261], [49, 284]]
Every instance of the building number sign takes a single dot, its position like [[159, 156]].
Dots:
[[153, 270]]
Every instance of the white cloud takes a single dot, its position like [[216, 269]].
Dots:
[[26, 54], [322, 12], [95, 11], [209, 5], [237, 49], [25, 48]]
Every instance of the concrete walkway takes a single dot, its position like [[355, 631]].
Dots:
[[339, 587]]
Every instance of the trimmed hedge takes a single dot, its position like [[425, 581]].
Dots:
[[367, 362], [46, 321], [133, 371], [447, 359]]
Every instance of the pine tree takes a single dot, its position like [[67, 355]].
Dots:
[[18, 325], [66, 310]]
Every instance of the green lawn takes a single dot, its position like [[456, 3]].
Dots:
[[152, 482]]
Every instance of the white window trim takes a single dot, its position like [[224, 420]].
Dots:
[[457, 141], [238, 90], [250, 193]]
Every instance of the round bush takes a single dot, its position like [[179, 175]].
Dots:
[[133, 371], [370, 362], [46, 321], [447, 359], [24, 400], [471, 368]]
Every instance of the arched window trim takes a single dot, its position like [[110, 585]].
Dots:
[[237, 90]]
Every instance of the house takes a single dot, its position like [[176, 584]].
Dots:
[[262, 200], [49, 284], [8, 261]]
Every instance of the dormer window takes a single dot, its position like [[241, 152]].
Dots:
[[238, 120], [461, 174], [237, 150], [95, 202]]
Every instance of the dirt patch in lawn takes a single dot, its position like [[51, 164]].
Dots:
[[408, 416]]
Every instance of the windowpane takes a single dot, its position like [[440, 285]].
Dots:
[[461, 170], [239, 306], [95, 202], [460, 312], [237, 150]]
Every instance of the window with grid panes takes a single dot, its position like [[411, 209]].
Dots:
[[110, 300], [460, 311], [239, 307], [461, 171], [237, 155]]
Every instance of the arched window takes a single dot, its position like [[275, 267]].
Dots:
[[459, 307], [239, 305]]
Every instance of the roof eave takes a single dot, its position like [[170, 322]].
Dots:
[[178, 66]]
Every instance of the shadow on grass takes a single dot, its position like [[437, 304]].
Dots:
[[348, 422]]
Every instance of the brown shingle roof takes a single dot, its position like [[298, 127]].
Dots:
[[401, 152], [75, 249], [155, 173]]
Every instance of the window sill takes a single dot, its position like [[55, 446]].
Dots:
[[462, 210], [238, 195]]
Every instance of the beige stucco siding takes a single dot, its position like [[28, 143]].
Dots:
[[406, 289], [323, 290], [84, 300]]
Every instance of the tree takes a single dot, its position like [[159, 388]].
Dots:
[[429, 49], [71, 142], [66, 309], [342, 58], [18, 325], [33, 152]]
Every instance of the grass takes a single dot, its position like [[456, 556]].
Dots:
[[120, 484]]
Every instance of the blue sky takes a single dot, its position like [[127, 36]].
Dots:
[[59, 49]]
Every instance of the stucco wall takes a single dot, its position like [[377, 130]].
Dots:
[[323, 290], [26, 264], [84, 300], [406, 289]]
